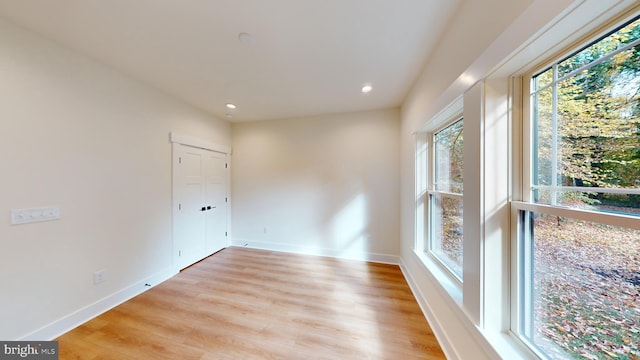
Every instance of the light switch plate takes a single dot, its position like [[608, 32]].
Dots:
[[24, 216]]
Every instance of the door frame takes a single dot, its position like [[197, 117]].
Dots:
[[180, 139]]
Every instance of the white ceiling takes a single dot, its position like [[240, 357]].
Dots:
[[307, 57]]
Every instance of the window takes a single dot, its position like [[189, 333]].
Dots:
[[445, 198], [578, 238]]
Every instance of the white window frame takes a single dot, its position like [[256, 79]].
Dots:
[[432, 193], [523, 148], [469, 295], [424, 173]]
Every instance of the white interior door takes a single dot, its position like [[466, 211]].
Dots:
[[189, 225], [200, 204], [216, 191]]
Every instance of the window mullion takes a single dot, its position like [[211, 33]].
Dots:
[[526, 274], [554, 138], [600, 60], [447, 194]]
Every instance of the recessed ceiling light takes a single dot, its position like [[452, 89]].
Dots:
[[230, 106], [366, 88]]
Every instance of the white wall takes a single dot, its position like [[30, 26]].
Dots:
[[82, 137], [324, 185]]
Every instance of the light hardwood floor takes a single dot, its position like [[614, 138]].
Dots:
[[253, 304]]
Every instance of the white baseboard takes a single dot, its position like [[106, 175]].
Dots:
[[79, 317], [455, 343], [436, 326], [312, 250]]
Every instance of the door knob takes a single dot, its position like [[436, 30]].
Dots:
[[208, 207], [203, 208]]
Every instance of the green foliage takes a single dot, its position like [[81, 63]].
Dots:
[[598, 115]]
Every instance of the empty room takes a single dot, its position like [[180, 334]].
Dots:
[[340, 179]]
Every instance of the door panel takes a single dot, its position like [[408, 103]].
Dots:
[[192, 225], [216, 198]]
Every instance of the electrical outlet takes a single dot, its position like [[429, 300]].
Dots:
[[99, 276]]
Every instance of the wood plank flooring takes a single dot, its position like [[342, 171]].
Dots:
[[253, 304]]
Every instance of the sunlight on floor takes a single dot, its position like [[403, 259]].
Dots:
[[369, 344]]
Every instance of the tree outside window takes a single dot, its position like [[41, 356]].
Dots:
[[445, 230]]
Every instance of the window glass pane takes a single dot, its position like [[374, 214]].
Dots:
[[584, 297], [586, 128], [598, 126], [543, 79], [448, 147], [543, 130], [446, 232], [606, 45]]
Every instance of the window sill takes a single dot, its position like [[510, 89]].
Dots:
[[507, 346], [500, 344], [450, 285]]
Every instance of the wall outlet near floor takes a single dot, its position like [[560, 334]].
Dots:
[[99, 276]]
